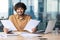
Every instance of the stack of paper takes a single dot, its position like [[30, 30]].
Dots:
[[25, 34]]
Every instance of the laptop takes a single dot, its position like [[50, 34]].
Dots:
[[49, 28]]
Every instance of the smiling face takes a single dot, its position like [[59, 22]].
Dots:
[[20, 11]]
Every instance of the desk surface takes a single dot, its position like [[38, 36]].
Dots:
[[49, 36]]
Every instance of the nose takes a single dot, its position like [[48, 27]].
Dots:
[[19, 10]]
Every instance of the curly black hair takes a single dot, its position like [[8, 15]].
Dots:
[[20, 4]]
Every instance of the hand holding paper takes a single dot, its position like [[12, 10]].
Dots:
[[8, 24], [31, 24]]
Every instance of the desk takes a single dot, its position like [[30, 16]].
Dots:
[[51, 36], [48, 36]]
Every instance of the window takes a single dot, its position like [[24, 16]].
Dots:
[[52, 9], [3, 9]]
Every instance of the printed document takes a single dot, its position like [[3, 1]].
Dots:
[[8, 24], [31, 24]]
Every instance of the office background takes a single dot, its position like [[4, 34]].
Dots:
[[43, 10]]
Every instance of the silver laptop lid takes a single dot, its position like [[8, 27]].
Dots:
[[50, 26]]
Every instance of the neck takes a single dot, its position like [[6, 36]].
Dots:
[[20, 15]]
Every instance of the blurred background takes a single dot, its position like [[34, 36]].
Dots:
[[43, 10]]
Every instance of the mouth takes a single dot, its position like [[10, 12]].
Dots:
[[20, 13]]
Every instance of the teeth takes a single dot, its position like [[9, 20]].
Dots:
[[19, 13]]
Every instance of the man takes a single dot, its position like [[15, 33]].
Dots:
[[19, 19]]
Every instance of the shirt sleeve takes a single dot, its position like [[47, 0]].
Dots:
[[11, 18]]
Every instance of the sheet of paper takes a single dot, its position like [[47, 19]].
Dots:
[[8, 24], [26, 34], [14, 34], [3, 35], [31, 24]]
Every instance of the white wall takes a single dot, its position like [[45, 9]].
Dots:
[[3, 8]]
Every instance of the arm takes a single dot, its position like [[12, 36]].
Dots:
[[33, 29], [6, 30]]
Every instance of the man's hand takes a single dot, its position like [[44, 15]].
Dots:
[[34, 30], [5, 30]]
